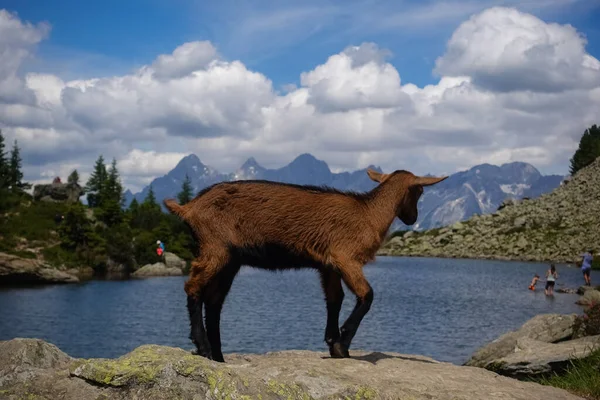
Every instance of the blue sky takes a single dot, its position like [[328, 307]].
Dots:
[[279, 39], [510, 84]]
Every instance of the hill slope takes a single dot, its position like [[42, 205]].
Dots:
[[557, 227]]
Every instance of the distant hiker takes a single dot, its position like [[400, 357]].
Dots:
[[551, 277], [56, 180], [586, 266], [534, 282], [160, 249]]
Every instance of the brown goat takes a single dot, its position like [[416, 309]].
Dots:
[[280, 226]]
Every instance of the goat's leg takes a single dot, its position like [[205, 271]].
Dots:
[[215, 295], [203, 269], [334, 296], [197, 332], [355, 280]]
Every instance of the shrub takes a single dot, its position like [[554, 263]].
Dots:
[[588, 324]]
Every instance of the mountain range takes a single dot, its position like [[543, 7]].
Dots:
[[479, 190]]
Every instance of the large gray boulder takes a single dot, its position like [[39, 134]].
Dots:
[[31, 368], [58, 192], [544, 344], [174, 261], [545, 328], [533, 358], [156, 269], [14, 269], [589, 297]]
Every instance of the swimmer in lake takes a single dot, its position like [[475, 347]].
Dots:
[[534, 282]]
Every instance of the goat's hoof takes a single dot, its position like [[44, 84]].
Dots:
[[337, 350], [197, 353]]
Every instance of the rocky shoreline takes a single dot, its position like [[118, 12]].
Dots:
[[32, 368], [15, 270], [544, 344]]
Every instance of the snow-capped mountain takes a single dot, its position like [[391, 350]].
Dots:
[[479, 190]]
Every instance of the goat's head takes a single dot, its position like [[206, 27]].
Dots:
[[412, 188]]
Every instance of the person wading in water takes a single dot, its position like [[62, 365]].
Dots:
[[586, 266], [551, 277]]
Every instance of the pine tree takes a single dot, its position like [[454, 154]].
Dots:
[[15, 174], [588, 150], [185, 196], [150, 197], [134, 206], [150, 214], [4, 170], [75, 230], [112, 199], [114, 188], [73, 179], [95, 186]]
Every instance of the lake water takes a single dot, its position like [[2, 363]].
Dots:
[[442, 308]]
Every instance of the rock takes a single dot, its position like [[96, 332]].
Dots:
[[507, 202], [17, 270], [173, 261], [589, 297], [157, 269], [522, 243], [32, 368], [533, 358], [457, 226], [567, 290], [519, 222], [59, 192], [81, 273], [545, 328], [582, 289]]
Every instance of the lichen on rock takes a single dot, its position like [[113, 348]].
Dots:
[[161, 372]]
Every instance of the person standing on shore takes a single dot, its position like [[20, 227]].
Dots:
[[586, 266], [551, 277], [160, 249]]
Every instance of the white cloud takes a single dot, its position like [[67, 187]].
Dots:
[[513, 88], [185, 59], [17, 41], [356, 78], [148, 163], [507, 50]]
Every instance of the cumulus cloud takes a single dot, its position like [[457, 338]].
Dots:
[[148, 163], [504, 49], [356, 78], [17, 41], [187, 58], [512, 87]]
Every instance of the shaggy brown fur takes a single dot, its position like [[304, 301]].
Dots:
[[278, 226]]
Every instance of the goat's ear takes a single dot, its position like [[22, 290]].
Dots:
[[376, 176], [427, 180]]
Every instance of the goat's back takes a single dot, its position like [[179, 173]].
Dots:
[[254, 213]]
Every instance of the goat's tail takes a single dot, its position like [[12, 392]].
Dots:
[[174, 207]]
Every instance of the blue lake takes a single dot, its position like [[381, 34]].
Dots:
[[442, 308]]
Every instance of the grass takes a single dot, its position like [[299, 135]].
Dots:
[[581, 378], [33, 222]]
